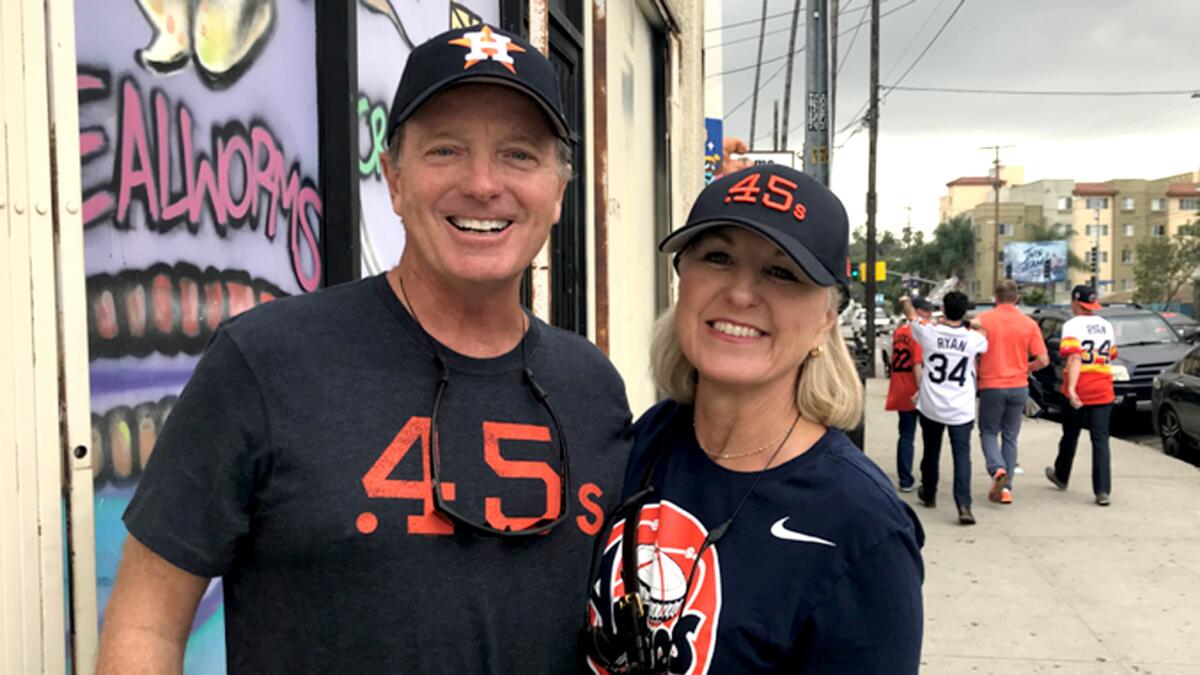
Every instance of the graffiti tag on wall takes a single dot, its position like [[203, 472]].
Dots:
[[240, 180]]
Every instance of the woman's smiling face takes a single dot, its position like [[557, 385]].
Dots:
[[747, 314]]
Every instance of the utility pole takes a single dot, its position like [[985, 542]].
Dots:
[[873, 120], [775, 129], [816, 137], [762, 32], [1096, 253], [834, 11], [787, 83], [996, 212]]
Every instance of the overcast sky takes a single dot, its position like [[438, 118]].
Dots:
[[928, 139]]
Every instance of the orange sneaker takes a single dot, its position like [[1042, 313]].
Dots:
[[999, 483], [1006, 496]]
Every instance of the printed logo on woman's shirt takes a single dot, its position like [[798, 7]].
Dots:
[[682, 618]]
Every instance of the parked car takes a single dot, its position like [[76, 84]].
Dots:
[[883, 323], [1187, 327], [1146, 346], [1177, 405]]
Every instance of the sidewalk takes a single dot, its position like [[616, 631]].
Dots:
[[1054, 583]]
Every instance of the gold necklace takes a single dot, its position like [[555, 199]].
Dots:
[[734, 455]]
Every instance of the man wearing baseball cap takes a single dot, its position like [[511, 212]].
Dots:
[[380, 471], [1088, 345]]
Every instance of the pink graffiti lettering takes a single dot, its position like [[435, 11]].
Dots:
[[243, 172]]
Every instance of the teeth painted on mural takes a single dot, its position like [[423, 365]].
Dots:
[[228, 33], [171, 46], [167, 309], [123, 439]]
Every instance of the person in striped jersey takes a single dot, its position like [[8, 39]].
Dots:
[[1089, 346]]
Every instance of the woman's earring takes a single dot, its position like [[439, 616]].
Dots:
[[819, 351]]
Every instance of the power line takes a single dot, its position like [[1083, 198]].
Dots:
[[747, 22], [784, 56], [916, 34], [861, 20], [936, 35], [866, 8], [857, 118], [747, 39], [1047, 92]]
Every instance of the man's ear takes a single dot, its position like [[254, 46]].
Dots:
[[391, 176], [562, 191]]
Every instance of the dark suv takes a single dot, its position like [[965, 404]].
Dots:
[[1146, 345]]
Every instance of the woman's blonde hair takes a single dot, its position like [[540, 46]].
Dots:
[[828, 390]]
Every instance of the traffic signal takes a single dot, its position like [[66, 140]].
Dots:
[[1046, 268], [1007, 270], [855, 272]]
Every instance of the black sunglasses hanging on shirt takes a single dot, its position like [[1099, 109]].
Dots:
[[632, 651], [440, 504]]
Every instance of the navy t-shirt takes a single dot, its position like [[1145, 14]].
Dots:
[[296, 465], [820, 572]]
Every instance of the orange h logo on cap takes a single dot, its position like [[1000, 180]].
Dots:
[[484, 45]]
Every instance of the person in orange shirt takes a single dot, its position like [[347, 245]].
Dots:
[[905, 372], [1015, 348]]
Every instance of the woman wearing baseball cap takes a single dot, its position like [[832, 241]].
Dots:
[[765, 541]]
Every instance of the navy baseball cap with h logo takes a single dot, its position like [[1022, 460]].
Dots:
[[792, 209], [480, 54]]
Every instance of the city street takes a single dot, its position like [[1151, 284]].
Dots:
[[1054, 583]]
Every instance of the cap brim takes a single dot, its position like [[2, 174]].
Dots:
[[679, 239], [1093, 306], [467, 77]]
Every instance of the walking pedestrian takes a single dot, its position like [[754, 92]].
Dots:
[[1015, 349], [1089, 346], [904, 373], [946, 398]]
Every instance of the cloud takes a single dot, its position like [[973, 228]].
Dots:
[[928, 139]]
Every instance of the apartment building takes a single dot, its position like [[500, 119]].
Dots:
[[964, 192], [1106, 222]]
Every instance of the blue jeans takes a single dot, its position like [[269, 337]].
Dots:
[[960, 448], [904, 447], [1095, 418], [1000, 412]]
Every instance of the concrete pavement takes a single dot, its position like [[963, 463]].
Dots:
[[1054, 583]]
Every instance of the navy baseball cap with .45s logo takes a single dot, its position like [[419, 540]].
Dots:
[[792, 209], [481, 54]]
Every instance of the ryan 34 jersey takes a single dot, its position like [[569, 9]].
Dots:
[[947, 387]]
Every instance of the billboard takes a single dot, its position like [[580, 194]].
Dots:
[[1028, 260]]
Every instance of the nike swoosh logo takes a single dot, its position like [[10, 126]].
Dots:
[[790, 535]]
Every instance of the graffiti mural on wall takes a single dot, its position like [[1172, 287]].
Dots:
[[222, 37], [198, 148], [393, 27], [241, 179]]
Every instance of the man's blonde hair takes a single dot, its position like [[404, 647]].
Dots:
[[1007, 291], [828, 390]]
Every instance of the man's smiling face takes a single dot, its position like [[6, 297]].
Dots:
[[478, 184]]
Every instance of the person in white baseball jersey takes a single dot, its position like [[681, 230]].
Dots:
[[946, 396]]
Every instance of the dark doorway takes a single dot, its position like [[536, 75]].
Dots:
[[568, 239]]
